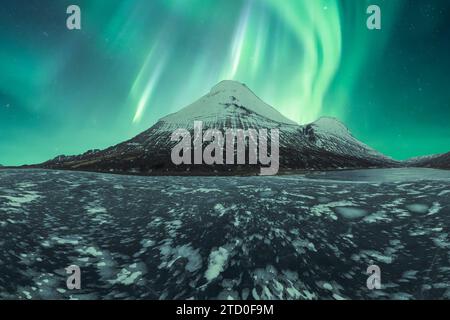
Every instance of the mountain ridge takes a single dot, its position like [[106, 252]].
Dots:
[[325, 144], [439, 161]]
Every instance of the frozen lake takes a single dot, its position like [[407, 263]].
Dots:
[[384, 175], [286, 237]]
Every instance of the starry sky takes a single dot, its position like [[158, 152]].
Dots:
[[134, 61]]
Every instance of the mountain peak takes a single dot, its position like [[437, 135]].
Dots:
[[331, 125], [228, 85], [222, 101]]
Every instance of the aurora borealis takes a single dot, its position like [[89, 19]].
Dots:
[[135, 61]]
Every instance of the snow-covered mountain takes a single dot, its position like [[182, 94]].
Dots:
[[440, 161], [228, 101], [324, 144]]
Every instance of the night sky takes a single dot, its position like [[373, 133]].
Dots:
[[133, 62]]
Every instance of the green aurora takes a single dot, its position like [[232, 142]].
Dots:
[[135, 61]]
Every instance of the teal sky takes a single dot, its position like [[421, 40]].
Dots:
[[133, 62]]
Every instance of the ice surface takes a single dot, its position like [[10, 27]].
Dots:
[[418, 208], [217, 260], [288, 237], [350, 212]]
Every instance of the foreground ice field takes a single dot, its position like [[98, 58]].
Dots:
[[288, 237]]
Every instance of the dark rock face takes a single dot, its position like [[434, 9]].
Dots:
[[296, 152], [324, 144]]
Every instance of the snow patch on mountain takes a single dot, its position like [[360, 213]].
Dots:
[[331, 126], [333, 135]]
